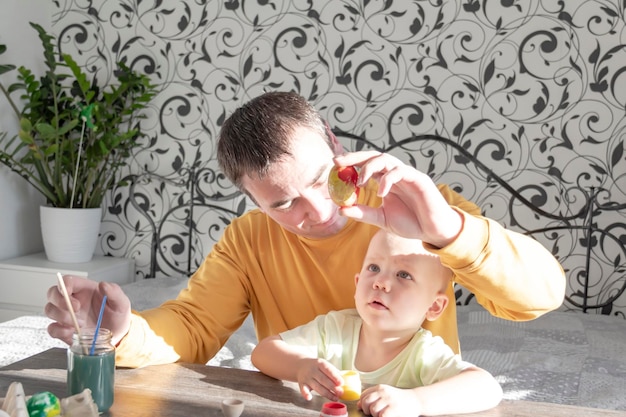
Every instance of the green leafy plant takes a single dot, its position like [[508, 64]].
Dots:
[[74, 135]]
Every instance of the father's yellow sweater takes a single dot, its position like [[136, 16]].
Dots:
[[286, 280]]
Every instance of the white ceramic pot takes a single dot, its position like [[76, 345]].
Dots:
[[70, 235]]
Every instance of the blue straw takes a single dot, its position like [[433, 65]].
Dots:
[[95, 335]]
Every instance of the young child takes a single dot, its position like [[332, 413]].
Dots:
[[409, 372]]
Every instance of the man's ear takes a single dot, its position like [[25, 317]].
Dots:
[[250, 196], [437, 307], [337, 147]]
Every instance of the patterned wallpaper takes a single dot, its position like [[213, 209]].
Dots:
[[532, 89]]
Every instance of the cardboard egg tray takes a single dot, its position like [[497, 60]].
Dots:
[[79, 405]]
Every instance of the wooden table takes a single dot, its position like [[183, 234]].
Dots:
[[185, 390]]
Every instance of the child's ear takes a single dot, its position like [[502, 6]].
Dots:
[[437, 307], [356, 279]]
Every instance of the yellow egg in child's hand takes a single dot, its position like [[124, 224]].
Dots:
[[351, 386]]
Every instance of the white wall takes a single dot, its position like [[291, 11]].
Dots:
[[19, 203]]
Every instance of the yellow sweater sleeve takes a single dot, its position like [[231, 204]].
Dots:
[[512, 275], [286, 280]]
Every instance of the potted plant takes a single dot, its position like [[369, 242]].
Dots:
[[74, 135]]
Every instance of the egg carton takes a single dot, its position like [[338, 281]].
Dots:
[[79, 405], [14, 404]]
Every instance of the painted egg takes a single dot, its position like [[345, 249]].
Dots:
[[351, 386], [342, 185], [43, 404]]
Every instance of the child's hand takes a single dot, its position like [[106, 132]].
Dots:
[[388, 401], [320, 376]]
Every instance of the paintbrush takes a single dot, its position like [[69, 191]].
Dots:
[[69, 305]]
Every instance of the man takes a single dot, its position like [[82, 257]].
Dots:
[[292, 258]]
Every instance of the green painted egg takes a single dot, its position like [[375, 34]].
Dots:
[[43, 404]]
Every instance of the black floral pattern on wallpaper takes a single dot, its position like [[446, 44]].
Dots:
[[531, 89]]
